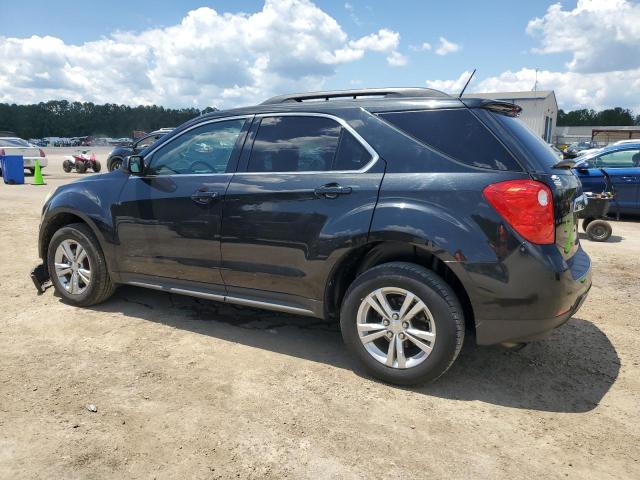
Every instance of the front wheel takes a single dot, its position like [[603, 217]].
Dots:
[[96, 166], [81, 167], [77, 266], [67, 166], [114, 164], [403, 322]]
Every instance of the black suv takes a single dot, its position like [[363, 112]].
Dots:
[[409, 215], [119, 153]]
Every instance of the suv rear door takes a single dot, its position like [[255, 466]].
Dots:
[[304, 193]]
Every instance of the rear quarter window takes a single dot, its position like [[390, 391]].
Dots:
[[458, 134]]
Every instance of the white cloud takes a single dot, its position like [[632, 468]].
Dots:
[[573, 90], [450, 86], [396, 59], [209, 58], [425, 46], [603, 39], [383, 40], [600, 35], [446, 47]]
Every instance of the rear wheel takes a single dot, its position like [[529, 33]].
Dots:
[[403, 322], [586, 222], [77, 266], [599, 230], [81, 167]]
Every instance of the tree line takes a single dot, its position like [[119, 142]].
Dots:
[[60, 118], [611, 117]]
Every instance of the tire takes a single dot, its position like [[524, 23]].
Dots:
[[599, 230], [446, 322], [586, 222], [81, 167], [96, 166], [114, 164], [67, 166], [99, 287]]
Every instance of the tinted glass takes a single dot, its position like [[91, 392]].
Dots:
[[351, 154], [456, 133], [529, 144], [294, 144], [619, 159], [145, 142], [205, 149]]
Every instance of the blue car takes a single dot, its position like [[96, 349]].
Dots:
[[622, 164]]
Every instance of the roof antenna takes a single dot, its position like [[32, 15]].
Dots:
[[467, 84]]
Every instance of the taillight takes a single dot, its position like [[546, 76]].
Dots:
[[42, 153], [527, 206]]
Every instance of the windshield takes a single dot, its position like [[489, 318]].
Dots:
[[14, 142]]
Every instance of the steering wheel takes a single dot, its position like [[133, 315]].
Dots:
[[201, 167]]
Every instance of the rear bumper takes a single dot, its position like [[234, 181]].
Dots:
[[529, 296], [522, 331]]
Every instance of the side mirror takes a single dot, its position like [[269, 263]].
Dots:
[[134, 165]]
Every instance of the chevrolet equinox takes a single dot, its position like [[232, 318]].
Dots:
[[410, 216]]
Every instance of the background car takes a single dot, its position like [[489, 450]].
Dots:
[[622, 164], [119, 153], [29, 152], [573, 150]]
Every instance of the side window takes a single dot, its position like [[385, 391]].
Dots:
[[146, 141], [457, 133], [351, 154], [304, 144], [204, 149], [619, 159]]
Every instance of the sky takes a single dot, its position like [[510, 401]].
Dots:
[[231, 53]]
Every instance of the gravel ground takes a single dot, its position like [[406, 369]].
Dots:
[[186, 388]]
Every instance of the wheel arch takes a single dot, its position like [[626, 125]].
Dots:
[[59, 219], [368, 256]]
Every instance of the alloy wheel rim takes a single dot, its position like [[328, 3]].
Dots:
[[72, 267], [396, 327]]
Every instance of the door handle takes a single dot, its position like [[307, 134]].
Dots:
[[332, 190], [204, 197]]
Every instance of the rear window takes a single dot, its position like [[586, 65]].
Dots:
[[529, 145], [458, 134]]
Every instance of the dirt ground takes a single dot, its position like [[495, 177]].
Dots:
[[187, 388]]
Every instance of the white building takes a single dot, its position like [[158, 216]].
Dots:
[[539, 109]]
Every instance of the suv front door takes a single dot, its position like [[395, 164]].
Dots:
[[168, 219], [304, 193]]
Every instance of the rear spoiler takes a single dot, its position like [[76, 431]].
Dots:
[[498, 106]]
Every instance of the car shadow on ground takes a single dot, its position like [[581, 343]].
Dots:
[[611, 239], [571, 371]]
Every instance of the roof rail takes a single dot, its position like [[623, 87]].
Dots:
[[403, 92]]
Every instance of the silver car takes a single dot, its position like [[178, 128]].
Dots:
[[30, 153]]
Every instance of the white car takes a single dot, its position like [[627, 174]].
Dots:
[[623, 142], [30, 153]]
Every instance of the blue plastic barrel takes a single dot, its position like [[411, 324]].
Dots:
[[13, 169]]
